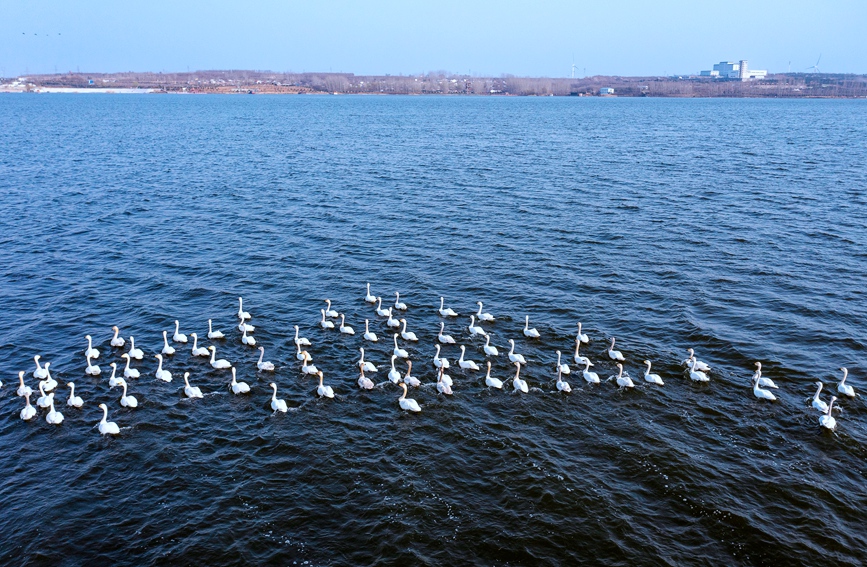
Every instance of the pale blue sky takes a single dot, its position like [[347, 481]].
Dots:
[[625, 37]]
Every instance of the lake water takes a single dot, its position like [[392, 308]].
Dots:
[[736, 227]]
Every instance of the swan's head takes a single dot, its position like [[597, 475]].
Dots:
[[186, 375], [328, 301], [296, 327], [511, 341], [21, 375], [261, 348], [646, 362], [87, 337], [408, 366], [273, 385], [403, 320], [113, 365], [620, 366], [158, 357], [691, 352], [70, 385], [115, 329], [176, 323], [759, 365], [462, 348], [103, 407], [124, 355], [212, 348], [194, 335], [36, 358], [558, 353], [47, 364], [845, 371]]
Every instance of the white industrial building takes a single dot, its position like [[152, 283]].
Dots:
[[735, 70]]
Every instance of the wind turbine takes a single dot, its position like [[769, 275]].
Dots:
[[573, 66], [815, 68]]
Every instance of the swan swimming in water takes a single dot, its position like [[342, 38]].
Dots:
[[323, 390], [392, 323], [40, 373], [247, 340], [442, 387], [197, 350], [578, 358], [412, 380], [161, 374], [264, 365], [528, 332], [238, 387], [73, 400], [364, 382], [399, 352], [49, 383], [28, 412], [380, 311], [45, 399], [113, 380], [699, 365], [53, 417], [515, 357], [179, 337], [168, 349], [842, 387], [407, 404], [437, 361], [329, 312], [827, 421], [368, 336], [393, 374], [369, 298], [697, 375], [301, 341], [483, 316], [582, 337], [344, 328], [764, 382], [446, 312], [590, 377], [397, 304], [615, 354], [475, 329], [445, 339], [23, 389], [518, 384], [244, 327], [622, 381], [218, 364], [492, 382], [135, 353], [125, 400], [107, 427], [562, 368], [308, 368], [303, 355], [466, 364], [817, 403], [277, 405], [407, 335], [489, 350], [94, 354], [117, 341], [369, 366], [324, 323], [242, 315], [759, 392], [214, 334], [562, 385], [652, 378], [190, 391], [129, 372]]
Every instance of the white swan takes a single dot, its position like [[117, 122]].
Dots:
[[393, 374], [302, 341], [364, 382], [699, 365], [475, 329], [515, 357], [45, 399], [764, 382], [412, 380], [73, 400], [407, 335], [380, 311], [135, 353], [445, 339], [489, 350], [397, 304], [483, 316], [92, 369], [466, 364], [615, 354], [246, 339], [49, 383], [212, 334], [107, 427], [113, 380], [368, 336], [492, 382], [760, 393], [517, 383], [179, 337], [579, 358], [528, 332], [817, 403], [218, 364], [264, 365], [161, 374], [407, 404], [562, 368], [27, 412], [446, 312], [129, 372], [53, 417], [443, 387], [308, 368], [23, 389], [369, 298], [582, 337], [324, 323], [242, 315], [329, 312], [622, 381], [277, 405], [238, 387], [562, 385], [344, 328], [94, 354], [392, 323], [590, 377], [244, 327], [125, 400], [842, 387], [191, 391], [323, 390], [369, 366], [696, 375], [652, 378], [437, 361], [399, 352], [197, 350], [117, 341], [40, 373], [168, 349], [303, 354], [827, 421]]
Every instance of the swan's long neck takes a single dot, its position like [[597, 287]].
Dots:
[[512, 350], [845, 375], [240, 304], [233, 377], [124, 388], [392, 363], [404, 326], [579, 328], [104, 413], [362, 354], [296, 332], [195, 341], [587, 366], [366, 326], [442, 328], [437, 355], [489, 371], [213, 356], [210, 330], [395, 341], [261, 355], [131, 342], [612, 344], [128, 359], [488, 342], [403, 396], [558, 359], [41, 390], [527, 322], [89, 343], [71, 390], [160, 365], [577, 346], [379, 303], [36, 359], [648, 368], [442, 303], [480, 310], [177, 327], [819, 391], [186, 381], [165, 340], [21, 378], [116, 331], [830, 406], [517, 371], [620, 373], [462, 353], [274, 395], [408, 368]]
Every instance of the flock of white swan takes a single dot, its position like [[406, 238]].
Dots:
[[696, 369]]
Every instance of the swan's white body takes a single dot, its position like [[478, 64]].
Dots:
[[407, 335], [113, 380], [135, 353], [44, 400], [392, 323], [168, 349], [622, 381], [242, 326], [483, 316], [212, 334], [23, 389], [475, 329], [397, 304], [303, 354], [329, 312], [92, 352], [161, 374], [53, 417], [40, 373], [125, 400], [528, 332], [582, 337], [246, 339], [760, 393], [369, 366], [380, 311], [301, 341], [517, 358], [697, 375], [308, 368], [117, 341], [492, 382], [652, 378], [817, 403], [92, 369], [437, 361], [407, 404], [446, 311], [49, 383], [344, 328], [197, 350], [73, 401], [218, 364], [763, 382], [368, 336], [238, 387], [694, 364], [590, 377], [107, 427], [323, 390], [28, 412], [827, 421], [561, 384], [443, 387], [242, 315], [325, 323], [262, 364], [562, 368], [489, 350], [190, 391], [364, 382], [277, 405], [466, 364], [399, 352], [518, 384], [369, 298], [393, 374], [842, 387], [127, 371], [411, 380], [445, 339], [615, 354], [179, 337], [578, 358]]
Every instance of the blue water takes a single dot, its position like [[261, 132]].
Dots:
[[735, 227]]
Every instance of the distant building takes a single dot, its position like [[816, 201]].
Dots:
[[606, 91], [738, 71]]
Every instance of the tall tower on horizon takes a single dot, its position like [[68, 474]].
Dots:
[[743, 73]]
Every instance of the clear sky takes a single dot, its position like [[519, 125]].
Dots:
[[480, 37]]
